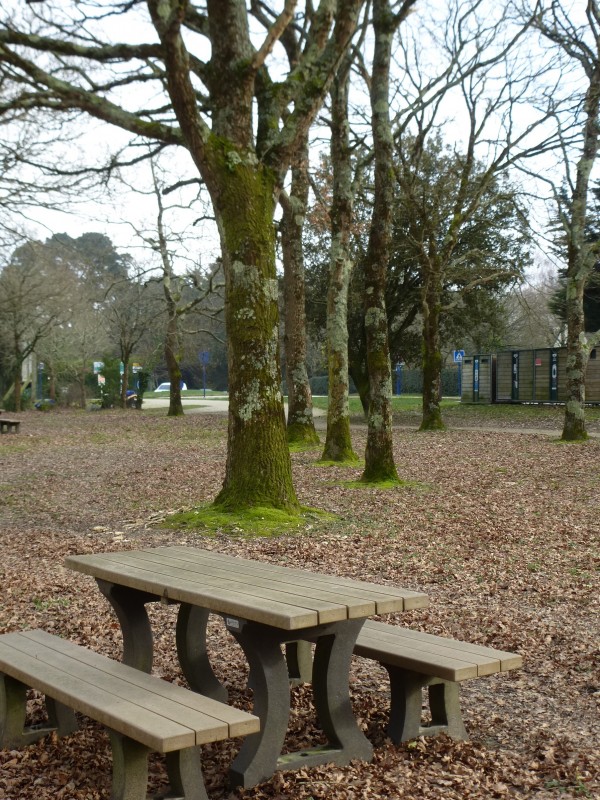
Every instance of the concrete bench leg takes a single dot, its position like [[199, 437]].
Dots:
[[130, 768], [406, 689], [185, 774], [130, 771], [444, 704], [61, 717], [13, 706]]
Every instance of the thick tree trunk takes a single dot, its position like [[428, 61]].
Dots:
[[17, 390], [338, 442], [300, 423], [258, 471], [173, 357], [379, 456], [580, 263], [577, 357]]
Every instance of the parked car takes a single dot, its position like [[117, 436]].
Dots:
[[166, 387]]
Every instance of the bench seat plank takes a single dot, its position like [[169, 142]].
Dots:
[[111, 697], [458, 660], [239, 722], [415, 660]]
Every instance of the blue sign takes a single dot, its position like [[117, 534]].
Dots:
[[458, 356], [204, 356]]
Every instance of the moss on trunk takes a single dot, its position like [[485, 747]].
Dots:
[[432, 357], [258, 470]]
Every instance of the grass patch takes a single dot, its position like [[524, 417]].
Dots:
[[383, 485], [358, 464], [303, 447], [249, 523]]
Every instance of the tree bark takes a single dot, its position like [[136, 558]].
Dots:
[[432, 357], [580, 263], [338, 442], [258, 470], [173, 358], [300, 423], [379, 456]]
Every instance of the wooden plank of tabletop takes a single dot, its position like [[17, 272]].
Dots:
[[278, 614], [361, 600], [358, 605], [379, 592], [329, 609]]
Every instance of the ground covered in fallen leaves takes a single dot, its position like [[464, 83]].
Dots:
[[499, 528]]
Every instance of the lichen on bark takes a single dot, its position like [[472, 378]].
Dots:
[[258, 470]]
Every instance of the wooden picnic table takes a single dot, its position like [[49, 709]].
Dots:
[[263, 606]]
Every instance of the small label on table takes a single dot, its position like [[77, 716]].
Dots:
[[231, 622]]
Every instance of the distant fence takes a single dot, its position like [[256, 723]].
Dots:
[[410, 381]]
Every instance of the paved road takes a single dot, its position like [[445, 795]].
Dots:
[[212, 405], [202, 405]]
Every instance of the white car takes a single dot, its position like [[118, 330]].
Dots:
[[166, 387]]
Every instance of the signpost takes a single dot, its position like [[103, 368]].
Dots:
[[399, 366], [458, 357], [204, 357], [40, 386]]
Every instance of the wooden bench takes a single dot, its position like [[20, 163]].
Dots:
[[414, 660], [9, 425], [142, 713]]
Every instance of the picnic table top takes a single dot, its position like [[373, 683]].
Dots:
[[270, 594]]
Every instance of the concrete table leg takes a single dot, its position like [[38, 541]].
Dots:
[[260, 754], [331, 669], [129, 606], [257, 758], [193, 656]]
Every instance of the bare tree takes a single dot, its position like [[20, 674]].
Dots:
[[487, 80], [577, 36], [338, 441], [183, 294], [379, 457], [300, 422], [177, 98]]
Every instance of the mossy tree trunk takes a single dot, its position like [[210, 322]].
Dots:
[[258, 470], [432, 357], [581, 258], [338, 442], [300, 422], [379, 456]]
